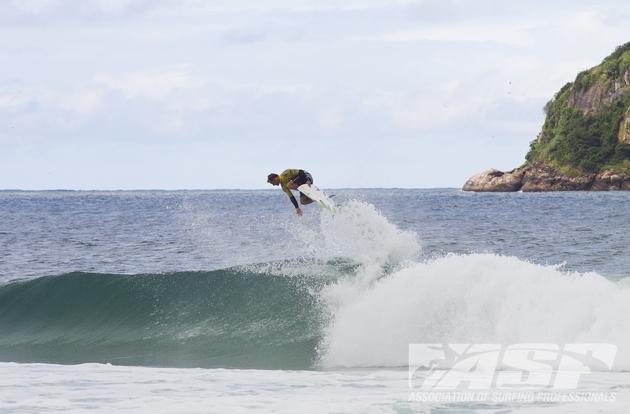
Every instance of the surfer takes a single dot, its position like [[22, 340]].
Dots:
[[291, 179]]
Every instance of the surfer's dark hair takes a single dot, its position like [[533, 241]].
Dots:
[[272, 176]]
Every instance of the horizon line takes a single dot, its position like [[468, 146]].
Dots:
[[213, 189]]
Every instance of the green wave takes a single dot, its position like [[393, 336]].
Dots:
[[232, 318]]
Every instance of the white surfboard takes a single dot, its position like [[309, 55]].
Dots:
[[318, 196]]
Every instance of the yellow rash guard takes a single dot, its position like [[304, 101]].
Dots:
[[285, 178]]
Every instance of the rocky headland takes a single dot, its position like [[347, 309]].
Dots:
[[584, 144]]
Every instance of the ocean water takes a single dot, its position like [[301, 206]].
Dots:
[[224, 301]]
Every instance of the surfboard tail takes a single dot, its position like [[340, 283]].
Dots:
[[317, 195]]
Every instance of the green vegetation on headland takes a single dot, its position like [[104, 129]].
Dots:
[[581, 133]]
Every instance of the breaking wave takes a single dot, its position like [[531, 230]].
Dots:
[[359, 299]]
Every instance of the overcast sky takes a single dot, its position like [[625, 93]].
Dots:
[[127, 94]]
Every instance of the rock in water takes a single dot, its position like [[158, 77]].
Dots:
[[495, 180]]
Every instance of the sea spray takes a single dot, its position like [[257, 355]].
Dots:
[[358, 232]]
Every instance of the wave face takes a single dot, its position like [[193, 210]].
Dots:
[[357, 300], [225, 318]]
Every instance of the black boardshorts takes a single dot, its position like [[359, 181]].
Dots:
[[302, 178]]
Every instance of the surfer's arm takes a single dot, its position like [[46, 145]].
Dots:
[[292, 198], [298, 210]]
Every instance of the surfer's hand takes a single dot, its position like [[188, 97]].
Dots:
[[298, 211]]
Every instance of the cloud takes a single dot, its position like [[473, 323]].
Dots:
[[160, 102], [499, 33], [152, 84], [80, 100], [67, 13], [13, 99], [31, 6], [86, 8]]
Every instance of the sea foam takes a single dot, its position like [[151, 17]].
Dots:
[[473, 298]]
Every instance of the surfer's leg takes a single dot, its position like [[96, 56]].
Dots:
[[304, 199]]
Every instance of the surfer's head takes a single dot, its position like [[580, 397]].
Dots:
[[273, 179]]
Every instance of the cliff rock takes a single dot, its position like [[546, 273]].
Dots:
[[609, 181], [541, 177], [624, 129]]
